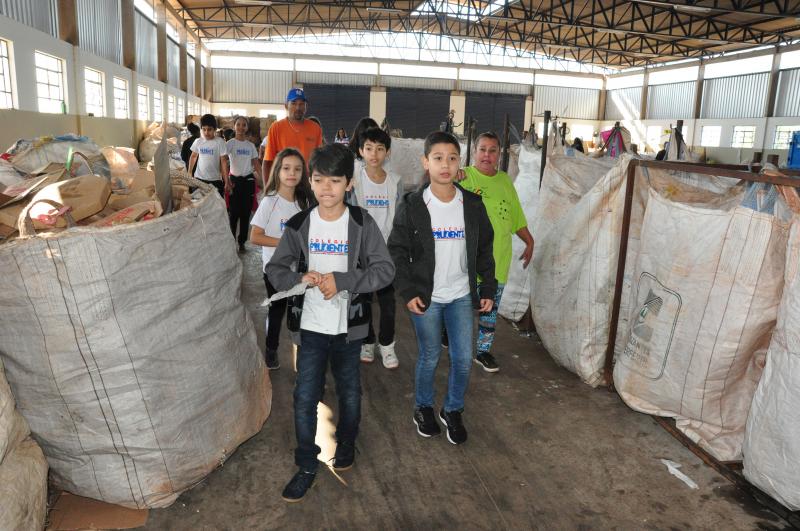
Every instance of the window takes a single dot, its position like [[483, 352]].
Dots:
[[171, 108], [145, 7], [172, 31], [6, 91], [709, 135], [93, 91], [783, 135], [743, 136], [49, 82], [232, 112], [143, 102], [181, 111], [120, 98], [158, 106]]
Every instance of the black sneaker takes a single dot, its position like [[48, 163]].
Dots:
[[242, 248], [426, 422], [297, 487], [445, 341], [456, 433], [345, 456], [486, 360], [272, 360]]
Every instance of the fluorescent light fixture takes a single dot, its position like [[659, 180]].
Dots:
[[266, 25], [263, 3], [678, 7], [387, 10], [500, 19], [612, 31]]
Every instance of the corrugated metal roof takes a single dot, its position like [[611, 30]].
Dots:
[[146, 46], [173, 63], [336, 78], [39, 14], [493, 87], [671, 101], [250, 86], [788, 98], [624, 104], [735, 96], [99, 28], [418, 82], [566, 102]]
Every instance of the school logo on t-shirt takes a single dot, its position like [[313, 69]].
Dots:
[[242, 151], [329, 247], [377, 201], [206, 151], [448, 233]]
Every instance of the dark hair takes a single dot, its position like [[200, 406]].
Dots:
[[440, 137], [193, 128], [246, 121], [377, 135], [332, 160], [491, 135], [315, 120], [228, 133], [302, 192], [208, 120], [362, 125]]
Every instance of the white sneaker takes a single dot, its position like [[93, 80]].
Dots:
[[367, 352], [390, 360]]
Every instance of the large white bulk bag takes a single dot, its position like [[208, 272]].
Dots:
[[131, 354], [23, 488], [707, 281], [516, 296], [13, 428], [772, 435], [577, 230]]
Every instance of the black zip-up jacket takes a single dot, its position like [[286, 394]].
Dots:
[[412, 247]]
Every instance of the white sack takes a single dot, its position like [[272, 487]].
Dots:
[[772, 435], [516, 296], [577, 228], [708, 279], [131, 354], [23, 488], [13, 428], [405, 160], [33, 155]]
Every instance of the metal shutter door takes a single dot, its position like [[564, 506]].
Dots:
[[337, 106], [416, 111], [490, 110]]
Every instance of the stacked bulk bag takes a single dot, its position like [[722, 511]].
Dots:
[[772, 435], [577, 228], [131, 354], [516, 296], [707, 281], [23, 468]]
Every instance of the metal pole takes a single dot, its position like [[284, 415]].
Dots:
[[468, 123], [562, 131], [544, 145], [506, 144]]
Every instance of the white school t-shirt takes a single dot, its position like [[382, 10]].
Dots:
[[208, 155], [450, 276], [376, 199], [271, 215], [328, 248], [241, 154]]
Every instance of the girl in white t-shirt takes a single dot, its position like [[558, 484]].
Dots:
[[287, 194]]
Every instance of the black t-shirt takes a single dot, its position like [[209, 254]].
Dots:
[[186, 150]]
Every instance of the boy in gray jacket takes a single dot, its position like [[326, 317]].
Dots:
[[339, 252]]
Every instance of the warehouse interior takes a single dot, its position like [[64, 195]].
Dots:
[[649, 374]]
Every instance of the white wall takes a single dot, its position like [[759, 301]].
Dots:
[[26, 40], [250, 109]]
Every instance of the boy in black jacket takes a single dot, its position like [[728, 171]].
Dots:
[[441, 241], [338, 250]]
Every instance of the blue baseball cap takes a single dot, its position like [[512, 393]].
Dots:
[[296, 94]]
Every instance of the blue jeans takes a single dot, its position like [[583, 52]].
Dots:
[[312, 362], [457, 317]]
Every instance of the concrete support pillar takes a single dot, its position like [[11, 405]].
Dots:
[[698, 91], [377, 104], [198, 70], [458, 103], [527, 124], [601, 103], [128, 19], [183, 79], [68, 21], [645, 84], [772, 92], [161, 41]]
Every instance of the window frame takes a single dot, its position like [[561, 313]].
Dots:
[[99, 111], [779, 130], [61, 76], [117, 99], [8, 98], [139, 105], [158, 116], [703, 142], [744, 129], [171, 108]]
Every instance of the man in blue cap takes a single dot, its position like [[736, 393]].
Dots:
[[293, 131]]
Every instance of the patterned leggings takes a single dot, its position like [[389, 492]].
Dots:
[[487, 322]]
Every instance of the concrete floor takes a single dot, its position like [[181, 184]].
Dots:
[[545, 451]]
